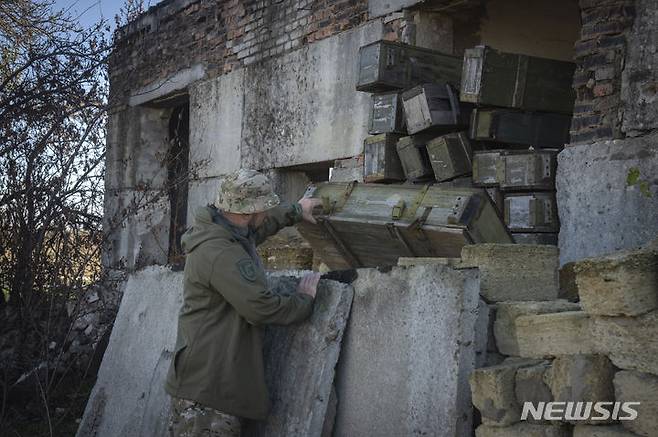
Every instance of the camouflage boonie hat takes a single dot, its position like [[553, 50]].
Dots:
[[246, 192]]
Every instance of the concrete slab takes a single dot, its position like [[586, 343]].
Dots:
[[216, 124], [607, 197], [302, 107], [407, 353], [129, 398], [641, 388], [300, 362]]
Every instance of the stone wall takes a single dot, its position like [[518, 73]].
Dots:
[[601, 349]]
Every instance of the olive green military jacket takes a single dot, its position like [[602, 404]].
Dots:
[[218, 358]]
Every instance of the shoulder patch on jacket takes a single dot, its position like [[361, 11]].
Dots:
[[247, 269]]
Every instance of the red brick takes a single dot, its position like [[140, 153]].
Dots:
[[603, 89]]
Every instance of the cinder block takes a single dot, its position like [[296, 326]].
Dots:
[[581, 378], [492, 390], [530, 385], [601, 431], [550, 335], [624, 283], [514, 272], [523, 430], [643, 388], [630, 342], [507, 313]]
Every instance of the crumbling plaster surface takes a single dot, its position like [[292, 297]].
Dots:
[[295, 109], [600, 211], [639, 87], [410, 345]]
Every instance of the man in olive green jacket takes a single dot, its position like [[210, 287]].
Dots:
[[216, 375]]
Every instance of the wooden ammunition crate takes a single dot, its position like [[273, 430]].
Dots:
[[494, 78], [382, 163], [528, 169], [386, 114], [486, 165], [414, 158], [434, 106], [369, 225], [516, 169], [386, 65], [536, 129], [450, 156], [531, 212], [535, 238]]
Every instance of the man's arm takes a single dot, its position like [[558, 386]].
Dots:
[[286, 215], [278, 218], [235, 276]]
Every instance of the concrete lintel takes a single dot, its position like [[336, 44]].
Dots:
[[179, 81]]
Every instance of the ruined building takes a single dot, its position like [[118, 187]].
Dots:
[[204, 87]]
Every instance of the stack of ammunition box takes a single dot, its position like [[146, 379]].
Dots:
[[493, 120]]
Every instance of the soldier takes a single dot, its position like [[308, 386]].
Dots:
[[216, 376]]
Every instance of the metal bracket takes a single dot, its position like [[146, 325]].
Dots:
[[398, 210]]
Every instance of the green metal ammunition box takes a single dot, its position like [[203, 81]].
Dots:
[[414, 158], [386, 114], [386, 65], [494, 78], [382, 163], [434, 106], [539, 130], [531, 212], [450, 156]]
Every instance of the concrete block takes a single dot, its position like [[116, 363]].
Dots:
[[549, 335], [129, 398], [507, 312], [630, 342], [530, 385], [600, 210], [523, 430], [624, 283], [346, 174], [601, 431], [407, 353], [492, 389], [643, 388], [514, 272], [581, 378]]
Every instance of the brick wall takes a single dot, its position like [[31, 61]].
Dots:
[[222, 35], [600, 54]]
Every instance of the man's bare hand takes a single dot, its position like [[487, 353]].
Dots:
[[307, 204], [309, 284]]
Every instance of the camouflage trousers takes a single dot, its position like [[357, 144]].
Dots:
[[191, 419]]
